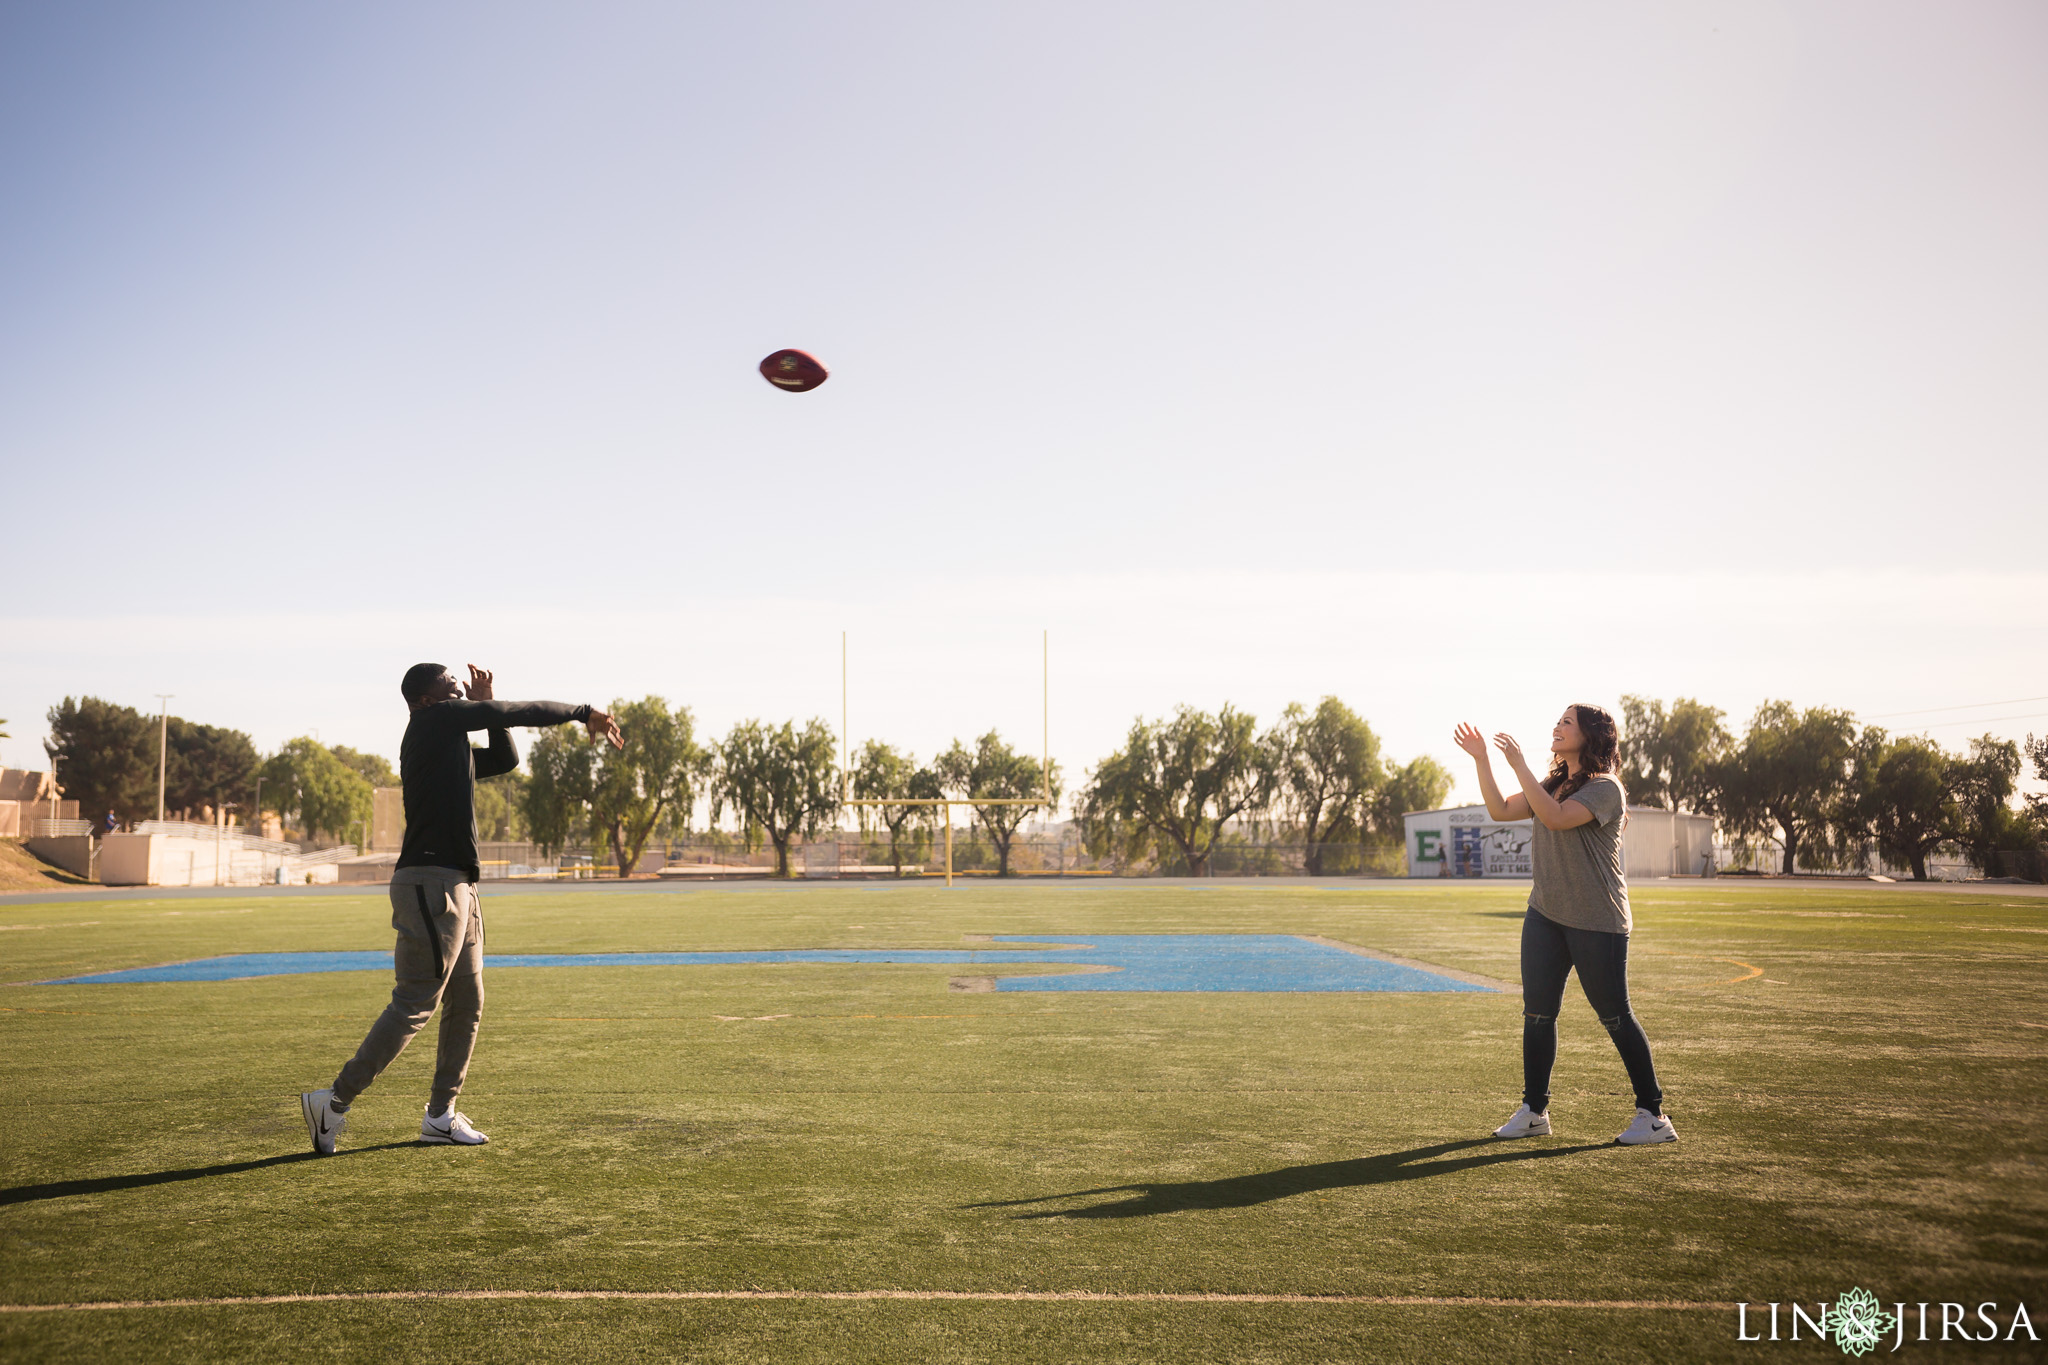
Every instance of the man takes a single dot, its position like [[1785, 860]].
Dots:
[[439, 957]]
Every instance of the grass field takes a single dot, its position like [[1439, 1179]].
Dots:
[[1858, 1076]]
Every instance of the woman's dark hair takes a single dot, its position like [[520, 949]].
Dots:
[[1601, 753]]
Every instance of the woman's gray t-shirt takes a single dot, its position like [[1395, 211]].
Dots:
[[1579, 881]]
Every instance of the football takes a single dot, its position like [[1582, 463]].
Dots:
[[796, 371]]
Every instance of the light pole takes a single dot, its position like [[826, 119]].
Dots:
[[163, 733], [220, 834]]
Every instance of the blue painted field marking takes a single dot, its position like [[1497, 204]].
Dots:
[[1134, 962]]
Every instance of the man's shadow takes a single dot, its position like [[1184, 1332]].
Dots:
[[64, 1189], [1241, 1191]]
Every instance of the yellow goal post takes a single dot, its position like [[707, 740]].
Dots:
[[846, 797]]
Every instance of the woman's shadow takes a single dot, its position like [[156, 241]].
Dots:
[[1241, 1191]]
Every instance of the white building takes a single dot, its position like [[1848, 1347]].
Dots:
[[1464, 841], [175, 853]]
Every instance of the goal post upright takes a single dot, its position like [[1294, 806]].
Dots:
[[946, 803]]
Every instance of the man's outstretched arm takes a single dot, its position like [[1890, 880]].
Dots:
[[500, 715]]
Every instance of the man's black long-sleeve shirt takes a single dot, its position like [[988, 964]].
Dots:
[[440, 769]]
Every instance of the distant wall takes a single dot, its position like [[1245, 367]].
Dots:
[[157, 859], [72, 852], [18, 818]]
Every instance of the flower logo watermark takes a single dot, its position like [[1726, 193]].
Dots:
[[1858, 1322]]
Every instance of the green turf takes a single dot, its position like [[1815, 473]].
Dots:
[[1869, 1111]]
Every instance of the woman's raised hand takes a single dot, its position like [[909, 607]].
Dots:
[[1510, 750], [1470, 740]]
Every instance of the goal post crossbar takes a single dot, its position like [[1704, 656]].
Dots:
[[846, 797]]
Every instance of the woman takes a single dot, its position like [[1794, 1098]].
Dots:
[[1578, 909]]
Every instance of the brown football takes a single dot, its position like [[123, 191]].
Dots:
[[797, 371]]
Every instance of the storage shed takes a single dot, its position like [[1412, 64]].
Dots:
[[1464, 841]]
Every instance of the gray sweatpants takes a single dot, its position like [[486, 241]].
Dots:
[[439, 960]]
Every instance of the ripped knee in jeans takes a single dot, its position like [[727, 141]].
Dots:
[[1612, 1023], [1539, 1018]]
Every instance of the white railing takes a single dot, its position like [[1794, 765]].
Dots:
[[192, 829], [59, 829], [325, 855]]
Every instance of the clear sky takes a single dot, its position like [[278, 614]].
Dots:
[[1458, 360]]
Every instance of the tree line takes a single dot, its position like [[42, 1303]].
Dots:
[[1826, 788], [1167, 796]]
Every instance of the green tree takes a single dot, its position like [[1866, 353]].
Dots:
[[1420, 784], [207, 765], [307, 784], [779, 780], [1330, 771], [659, 773], [374, 769], [1176, 783], [1981, 787], [1902, 799], [1673, 759], [881, 772], [105, 755], [557, 797], [993, 769], [2037, 805], [501, 808], [1790, 773], [1912, 797]]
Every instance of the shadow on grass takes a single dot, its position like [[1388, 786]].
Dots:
[[64, 1189], [1240, 1191]]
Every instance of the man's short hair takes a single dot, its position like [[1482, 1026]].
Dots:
[[417, 680]]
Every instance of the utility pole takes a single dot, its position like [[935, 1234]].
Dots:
[[163, 733]]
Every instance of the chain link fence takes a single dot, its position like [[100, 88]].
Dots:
[[850, 854], [1766, 857]]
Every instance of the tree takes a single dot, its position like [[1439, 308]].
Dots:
[[1912, 796], [374, 769], [1330, 771], [557, 797], [207, 765], [1902, 796], [107, 755], [305, 780], [501, 808], [660, 772], [778, 780], [2037, 805], [1672, 759], [881, 772], [1790, 773], [1177, 783], [1421, 784], [994, 769], [1981, 786]]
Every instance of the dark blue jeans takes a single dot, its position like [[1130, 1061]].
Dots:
[[1549, 953]]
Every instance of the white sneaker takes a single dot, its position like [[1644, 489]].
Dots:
[[322, 1123], [1525, 1123], [454, 1128], [1647, 1128]]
